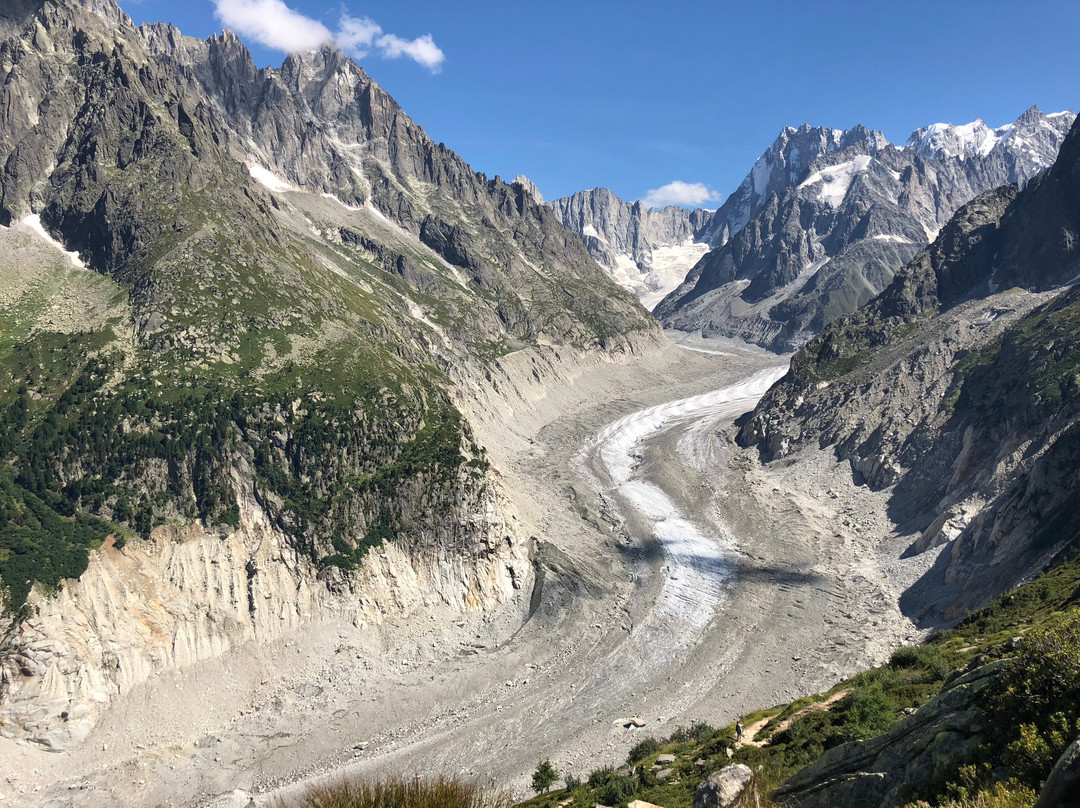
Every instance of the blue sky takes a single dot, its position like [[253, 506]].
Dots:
[[634, 94]]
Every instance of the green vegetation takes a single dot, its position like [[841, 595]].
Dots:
[[544, 777], [438, 792], [642, 749], [1032, 711], [1037, 360]]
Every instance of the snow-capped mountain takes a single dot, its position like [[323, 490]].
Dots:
[[783, 165], [832, 217], [646, 251]]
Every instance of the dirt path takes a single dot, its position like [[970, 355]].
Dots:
[[751, 730]]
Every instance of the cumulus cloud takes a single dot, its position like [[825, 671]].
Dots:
[[687, 194], [422, 49], [274, 24], [359, 36]]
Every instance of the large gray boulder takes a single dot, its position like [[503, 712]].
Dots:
[[1062, 789], [731, 786]]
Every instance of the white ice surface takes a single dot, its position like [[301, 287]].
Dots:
[[835, 180], [270, 180], [33, 224], [890, 237], [697, 569]]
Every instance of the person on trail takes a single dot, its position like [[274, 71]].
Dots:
[[738, 730]]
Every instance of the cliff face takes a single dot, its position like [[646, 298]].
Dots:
[[234, 306], [957, 386], [646, 251], [185, 596]]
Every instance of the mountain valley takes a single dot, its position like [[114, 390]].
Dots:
[[324, 455]]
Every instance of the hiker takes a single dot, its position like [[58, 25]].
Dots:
[[738, 730]]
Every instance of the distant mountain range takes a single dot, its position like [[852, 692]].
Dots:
[[820, 224]]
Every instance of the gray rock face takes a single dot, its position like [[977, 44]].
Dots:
[[957, 384], [530, 188], [826, 219], [1062, 789], [318, 123], [647, 251], [233, 228], [783, 166], [940, 735], [729, 787]]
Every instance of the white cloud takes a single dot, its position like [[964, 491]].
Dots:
[[422, 49], [274, 24], [687, 194], [358, 36]]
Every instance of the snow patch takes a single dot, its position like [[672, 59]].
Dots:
[[269, 180], [347, 207], [668, 269], [33, 224], [835, 180], [968, 140], [759, 177], [891, 238], [589, 230]]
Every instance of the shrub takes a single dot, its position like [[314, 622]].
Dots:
[[928, 658], [868, 711], [618, 791], [642, 749], [572, 783], [600, 776], [702, 732], [1035, 710]]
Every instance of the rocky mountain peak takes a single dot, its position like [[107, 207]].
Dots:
[[944, 141], [530, 188], [784, 165]]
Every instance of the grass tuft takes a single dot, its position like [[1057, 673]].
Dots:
[[400, 792]]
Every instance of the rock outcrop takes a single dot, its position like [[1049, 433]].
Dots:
[[940, 735], [1062, 788], [730, 787]]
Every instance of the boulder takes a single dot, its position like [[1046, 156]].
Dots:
[[731, 786], [641, 804], [1062, 789], [665, 760]]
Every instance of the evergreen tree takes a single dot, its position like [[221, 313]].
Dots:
[[544, 777]]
